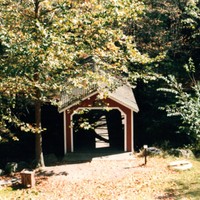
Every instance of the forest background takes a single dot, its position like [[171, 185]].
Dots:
[[50, 46]]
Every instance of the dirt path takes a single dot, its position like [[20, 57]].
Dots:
[[116, 177], [101, 178], [97, 169]]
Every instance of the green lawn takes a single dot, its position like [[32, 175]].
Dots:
[[185, 184]]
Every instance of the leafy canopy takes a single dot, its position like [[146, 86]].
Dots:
[[51, 46]]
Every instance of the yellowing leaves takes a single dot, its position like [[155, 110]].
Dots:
[[136, 56], [102, 31], [111, 46], [56, 41]]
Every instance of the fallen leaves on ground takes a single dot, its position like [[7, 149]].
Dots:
[[102, 180]]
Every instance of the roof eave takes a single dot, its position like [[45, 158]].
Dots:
[[76, 102], [133, 108]]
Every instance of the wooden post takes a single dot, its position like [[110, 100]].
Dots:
[[28, 178], [145, 154]]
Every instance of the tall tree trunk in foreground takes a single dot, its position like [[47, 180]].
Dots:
[[38, 138]]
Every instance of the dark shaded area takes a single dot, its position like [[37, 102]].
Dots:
[[84, 139], [53, 137], [115, 129], [16, 151], [51, 173], [152, 126], [24, 149]]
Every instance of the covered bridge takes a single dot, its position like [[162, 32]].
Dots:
[[91, 123]]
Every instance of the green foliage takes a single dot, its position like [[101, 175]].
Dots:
[[52, 46], [165, 27], [171, 27], [191, 17], [187, 104], [56, 45]]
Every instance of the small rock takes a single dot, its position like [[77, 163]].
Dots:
[[186, 153], [153, 151], [2, 172], [180, 165], [11, 167]]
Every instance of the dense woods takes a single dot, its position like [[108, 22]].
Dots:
[[50, 46]]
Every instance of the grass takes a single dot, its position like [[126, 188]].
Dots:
[[186, 184], [154, 181], [182, 184]]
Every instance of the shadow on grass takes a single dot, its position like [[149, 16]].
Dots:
[[17, 186], [168, 195], [183, 191], [191, 190], [45, 173]]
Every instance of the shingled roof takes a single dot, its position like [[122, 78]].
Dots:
[[123, 95]]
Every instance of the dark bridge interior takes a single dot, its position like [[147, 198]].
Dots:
[[98, 130]]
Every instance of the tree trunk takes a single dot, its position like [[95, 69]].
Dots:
[[38, 138]]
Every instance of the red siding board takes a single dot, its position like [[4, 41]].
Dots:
[[68, 132]]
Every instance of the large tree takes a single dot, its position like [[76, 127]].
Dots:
[[51, 46]]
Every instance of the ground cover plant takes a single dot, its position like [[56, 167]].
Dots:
[[112, 180]]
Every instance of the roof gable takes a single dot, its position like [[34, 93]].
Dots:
[[123, 95]]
